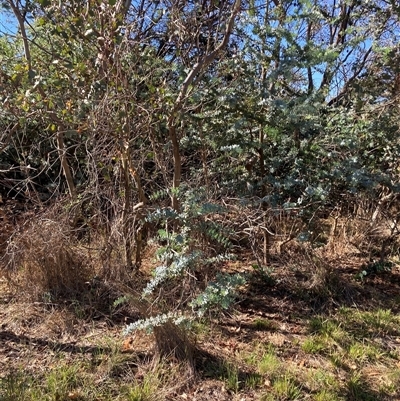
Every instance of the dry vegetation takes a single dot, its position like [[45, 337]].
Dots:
[[309, 326], [250, 146]]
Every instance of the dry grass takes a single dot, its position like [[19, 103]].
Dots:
[[44, 261], [333, 355], [306, 329]]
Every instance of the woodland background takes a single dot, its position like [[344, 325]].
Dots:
[[161, 159]]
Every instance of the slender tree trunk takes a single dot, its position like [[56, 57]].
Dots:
[[177, 166], [141, 228], [62, 153], [21, 23], [204, 160], [132, 214], [266, 235], [127, 206]]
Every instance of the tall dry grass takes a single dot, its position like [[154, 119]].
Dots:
[[44, 259]]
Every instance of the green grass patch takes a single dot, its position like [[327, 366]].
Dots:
[[231, 378], [78, 381], [359, 389], [61, 383], [264, 325], [327, 395], [269, 364], [390, 384], [369, 324], [330, 328], [15, 386], [315, 345], [253, 380], [144, 390], [321, 378], [286, 388], [347, 338], [362, 353]]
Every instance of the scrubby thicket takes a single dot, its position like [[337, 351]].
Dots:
[[194, 132]]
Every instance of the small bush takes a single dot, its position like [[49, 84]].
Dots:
[[374, 269]]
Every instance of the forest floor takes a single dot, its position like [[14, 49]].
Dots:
[[296, 333], [305, 328]]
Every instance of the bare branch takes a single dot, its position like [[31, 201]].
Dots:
[[349, 82], [202, 64], [8, 137]]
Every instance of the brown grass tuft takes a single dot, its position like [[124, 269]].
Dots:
[[173, 342], [44, 261]]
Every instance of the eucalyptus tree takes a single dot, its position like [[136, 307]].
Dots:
[[294, 117], [304, 57]]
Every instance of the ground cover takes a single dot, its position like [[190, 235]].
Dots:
[[287, 338]]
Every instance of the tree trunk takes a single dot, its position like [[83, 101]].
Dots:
[[177, 166]]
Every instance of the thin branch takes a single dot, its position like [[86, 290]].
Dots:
[[202, 64], [352, 78], [8, 136]]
